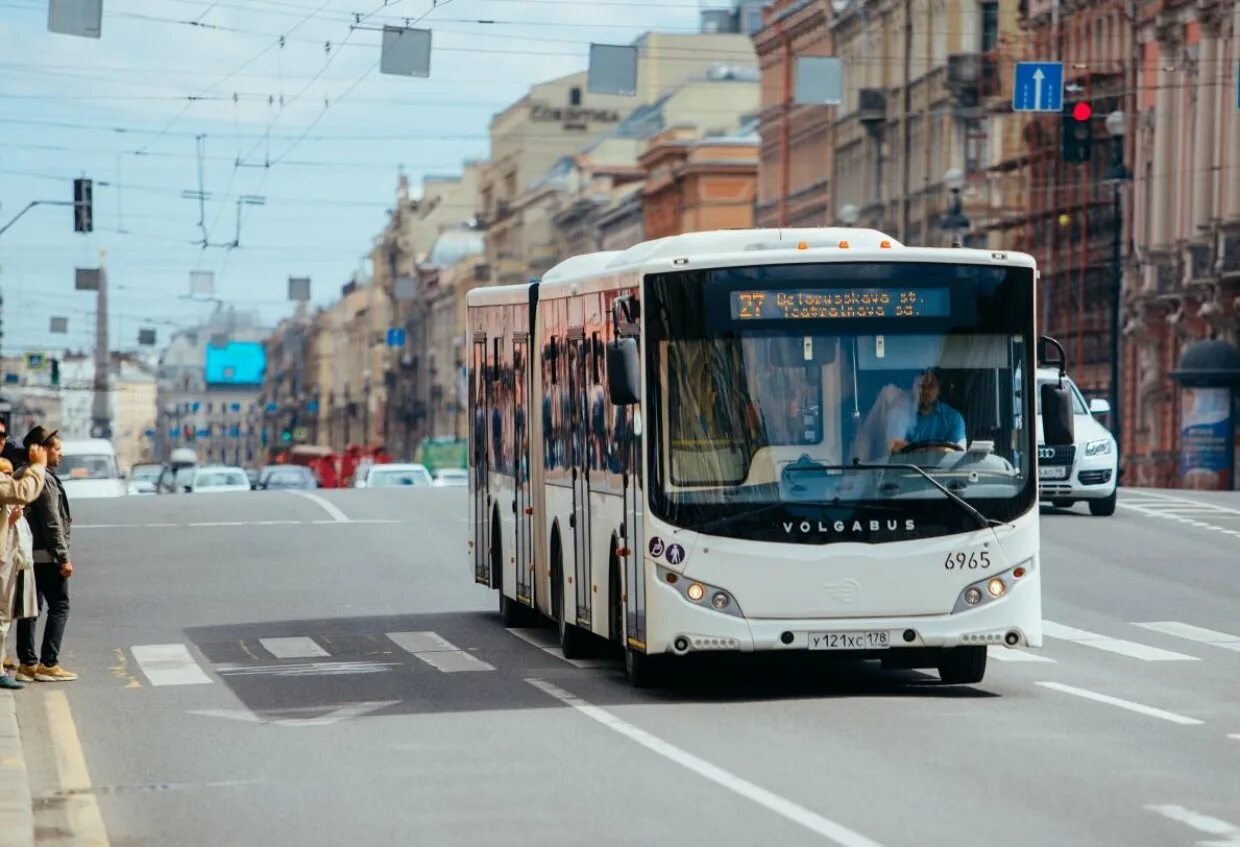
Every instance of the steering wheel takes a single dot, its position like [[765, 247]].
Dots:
[[923, 445]]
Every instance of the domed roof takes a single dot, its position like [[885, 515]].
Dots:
[[1211, 362], [454, 245]]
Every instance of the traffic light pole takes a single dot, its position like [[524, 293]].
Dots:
[[30, 206], [101, 415]]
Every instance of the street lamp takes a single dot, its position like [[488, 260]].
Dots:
[[1117, 175], [849, 214], [955, 221]]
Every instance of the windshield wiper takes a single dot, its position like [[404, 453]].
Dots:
[[727, 519], [982, 521]]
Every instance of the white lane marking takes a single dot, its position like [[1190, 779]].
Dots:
[[1113, 645], [325, 504], [1149, 711], [1195, 633], [298, 647], [1200, 822], [329, 522], [169, 664], [307, 669], [81, 805], [812, 821], [552, 648], [1161, 498], [1182, 519], [318, 717], [438, 652], [1004, 654]]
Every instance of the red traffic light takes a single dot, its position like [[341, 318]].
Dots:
[[1082, 112]]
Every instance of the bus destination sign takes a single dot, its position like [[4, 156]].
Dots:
[[841, 303]]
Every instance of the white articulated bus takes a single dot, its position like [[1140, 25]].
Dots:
[[765, 440]]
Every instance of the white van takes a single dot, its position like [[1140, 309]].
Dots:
[[88, 469]]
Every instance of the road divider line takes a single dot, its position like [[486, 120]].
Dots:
[[1140, 709], [325, 504], [81, 806], [552, 648], [1195, 633], [1113, 645], [298, 647], [307, 669], [169, 664], [1200, 822], [438, 652], [1005, 654], [769, 800]]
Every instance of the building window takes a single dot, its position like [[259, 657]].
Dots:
[[574, 96], [990, 25]]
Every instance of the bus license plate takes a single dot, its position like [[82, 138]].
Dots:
[[872, 640], [1053, 472]]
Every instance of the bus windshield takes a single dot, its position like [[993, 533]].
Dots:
[[840, 395]]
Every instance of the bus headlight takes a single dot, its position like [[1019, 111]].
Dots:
[[972, 596], [704, 594], [719, 601], [696, 592], [996, 587], [991, 588]]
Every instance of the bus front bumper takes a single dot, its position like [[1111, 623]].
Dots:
[[682, 627]]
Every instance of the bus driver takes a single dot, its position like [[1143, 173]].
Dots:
[[934, 420]]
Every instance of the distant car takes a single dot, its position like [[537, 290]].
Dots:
[[144, 478], [1086, 470], [286, 478], [450, 477], [215, 479], [88, 469], [394, 475]]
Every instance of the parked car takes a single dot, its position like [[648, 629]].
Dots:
[[286, 478], [1085, 470], [450, 477], [144, 478], [88, 469], [395, 475], [215, 479]]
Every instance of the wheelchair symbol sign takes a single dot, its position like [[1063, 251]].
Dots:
[[656, 547]]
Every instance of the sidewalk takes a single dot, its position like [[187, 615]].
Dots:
[[16, 812]]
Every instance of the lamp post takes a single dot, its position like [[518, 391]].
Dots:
[[1118, 175], [849, 214], [955, 221]]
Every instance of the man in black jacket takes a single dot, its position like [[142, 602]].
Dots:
[[50, 524]]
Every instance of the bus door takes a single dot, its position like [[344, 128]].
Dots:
[[522, 504], [580, 436], [479, 391]]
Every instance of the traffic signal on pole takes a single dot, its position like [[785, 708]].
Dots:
[[1078, 131], [83, 206]]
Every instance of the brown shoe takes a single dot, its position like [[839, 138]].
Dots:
[[9, 664], [25, 673], [53, 674]]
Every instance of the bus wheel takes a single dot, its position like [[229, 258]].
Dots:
[[641, 669], [962, 665], [573, 642]]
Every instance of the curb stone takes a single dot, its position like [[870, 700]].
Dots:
[[16, 808]]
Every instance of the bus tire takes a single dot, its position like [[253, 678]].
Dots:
[[641, 669], [1105, 507], [573, 642], [962, 665]]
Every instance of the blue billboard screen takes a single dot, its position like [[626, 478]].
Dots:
[[237, 363]]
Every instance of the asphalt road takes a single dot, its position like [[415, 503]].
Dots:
[[273, 669]]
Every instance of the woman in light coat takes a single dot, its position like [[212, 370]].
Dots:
[[15, 494]]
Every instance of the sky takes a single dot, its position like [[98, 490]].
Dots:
[[288, 105]]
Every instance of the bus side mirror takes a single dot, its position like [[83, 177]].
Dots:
[[623, 372], [1052, 355], [1057, 422]]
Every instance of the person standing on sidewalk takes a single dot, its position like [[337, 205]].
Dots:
[[14, 495], [50, 523]]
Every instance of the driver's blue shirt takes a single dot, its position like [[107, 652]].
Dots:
[[941, 423]]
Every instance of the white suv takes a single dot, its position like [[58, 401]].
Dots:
[[1089, 468]]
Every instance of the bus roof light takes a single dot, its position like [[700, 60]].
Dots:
[[843, 244], [802, 245], [884, 245]]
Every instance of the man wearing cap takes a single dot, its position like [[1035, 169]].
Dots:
[[50, 522]]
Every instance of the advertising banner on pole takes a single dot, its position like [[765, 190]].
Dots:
[[1206, 439]]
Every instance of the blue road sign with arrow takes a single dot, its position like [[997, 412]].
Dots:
[[396, 337], [1038, 87]]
